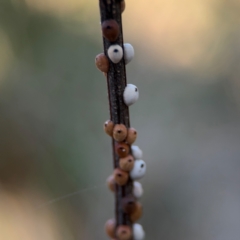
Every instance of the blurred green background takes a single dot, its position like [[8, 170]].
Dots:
[[53, 103]]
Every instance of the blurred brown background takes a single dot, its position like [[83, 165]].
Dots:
[[53, 102]]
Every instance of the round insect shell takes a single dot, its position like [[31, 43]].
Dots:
[[138, 232], [131, 136], [139, 169], [126, 163], [121, 177], [108, 127], [136, 152], [119, 132], [110, 30], [110, 227], [128, 52], [102, 62], [122, 149], [137, 214], [115, 53], [124, 232], [123, 6], [129, 204], [130, 94], [137, 189], [111, 183]]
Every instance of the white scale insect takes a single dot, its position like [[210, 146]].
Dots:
[[115, 53], [138, 232], [128, 52], [136, 152], [130, 94], [139, 169], [137, 189]]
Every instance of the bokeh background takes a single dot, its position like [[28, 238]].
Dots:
[[54, 155]]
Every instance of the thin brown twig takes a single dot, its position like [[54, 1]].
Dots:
[[119, 112]]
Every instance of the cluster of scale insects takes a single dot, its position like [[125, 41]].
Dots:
[[130, 163]]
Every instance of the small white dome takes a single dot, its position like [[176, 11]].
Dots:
[[137, 189], [138, 232], [130, 94], [139, 169], [115, 53], [136, 152], [128, 52]]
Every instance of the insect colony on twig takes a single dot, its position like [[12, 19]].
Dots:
[[130, 164]]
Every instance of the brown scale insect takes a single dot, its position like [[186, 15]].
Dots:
[[111, 183], [122, 149], [108, 127], [110, 227], [124, 232], [123, 6], [110, 30], [126, 163], [137, 214], [119, 132], [131, 136], [120, 176], [129, 204], [102, 62]]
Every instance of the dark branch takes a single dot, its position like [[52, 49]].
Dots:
[[116, 78]]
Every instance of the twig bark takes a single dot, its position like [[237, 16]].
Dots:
[[119, 113]]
